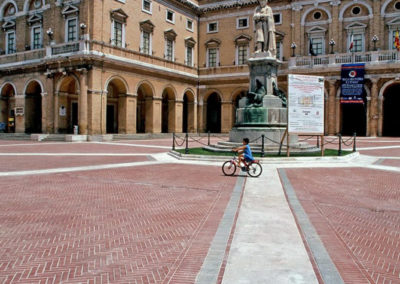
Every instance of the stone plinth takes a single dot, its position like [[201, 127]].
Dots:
[[264, 69], [253, 133]]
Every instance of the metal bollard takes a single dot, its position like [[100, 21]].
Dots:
[[208, 138], [173, 141], [354, 142], [187, 144], [262, 145], [340, 145]]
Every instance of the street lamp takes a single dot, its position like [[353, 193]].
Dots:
[[332, 43], [83, 28], [375, 38], [293, 47]]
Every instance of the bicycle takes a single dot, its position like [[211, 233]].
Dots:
[[253, 169]]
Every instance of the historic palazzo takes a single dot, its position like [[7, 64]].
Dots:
[[159, 66]]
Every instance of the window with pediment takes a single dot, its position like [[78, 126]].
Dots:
[[170, 36], [242, 43], [118, 24], [393, 27], [71, 15], [316, 41], [189, 47], [146, 28], [212, 56], [356, 37]]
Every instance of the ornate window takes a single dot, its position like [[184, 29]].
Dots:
[[356, 35], [169, 36], [10, 42], [71, 30], [242, 49], [118, 23], [146, 28], [36, 37], [189, 44], [212, 52], [316, 41], [393, 25]]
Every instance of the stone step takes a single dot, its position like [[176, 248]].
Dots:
[[14, 136]]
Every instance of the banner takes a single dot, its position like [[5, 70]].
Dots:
[[352, 83], [306, 105]]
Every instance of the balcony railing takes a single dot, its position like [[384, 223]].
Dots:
[[372, 57], [22, 56], [68, 47]]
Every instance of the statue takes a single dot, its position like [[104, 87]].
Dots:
[[264, 28], [255, 99], [279, 94]]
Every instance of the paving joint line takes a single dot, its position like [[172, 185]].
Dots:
[[212, 264]]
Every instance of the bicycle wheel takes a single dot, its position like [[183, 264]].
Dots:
[[229, 168], [255, 169]]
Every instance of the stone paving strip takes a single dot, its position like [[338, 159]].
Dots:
[[77, 169], [267, 246], [77, 154]]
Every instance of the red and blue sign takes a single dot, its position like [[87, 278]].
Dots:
[[352, 83]]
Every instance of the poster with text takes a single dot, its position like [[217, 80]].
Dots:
[[306, 104]]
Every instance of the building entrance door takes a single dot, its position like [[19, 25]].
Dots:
[[74, 115], [112, 126], [354, 119]]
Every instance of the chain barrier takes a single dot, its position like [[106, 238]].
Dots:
[[180, 141]]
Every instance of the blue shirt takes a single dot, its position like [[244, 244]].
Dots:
[[247, 153]]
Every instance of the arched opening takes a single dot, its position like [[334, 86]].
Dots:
[[354, 118], [188, 119], [33, 108], [115, 91], [144, 108], [67, 108], [391, 105], [7, 109], [214, 113], [235, 99], [168, 111]]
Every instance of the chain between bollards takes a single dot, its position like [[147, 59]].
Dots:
[[354, 142], [208, 143], [340, 144], [317, 141], [262, 145], [187, 144], [173, 141]]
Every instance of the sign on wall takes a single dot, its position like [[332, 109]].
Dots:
[[352, 83], [19, 111], [306, 104]]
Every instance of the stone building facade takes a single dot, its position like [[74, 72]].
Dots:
[[152, 66]]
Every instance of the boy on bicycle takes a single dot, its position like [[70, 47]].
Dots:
[[245, 155]]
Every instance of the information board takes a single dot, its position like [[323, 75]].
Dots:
[[306, 105], [352, 87]]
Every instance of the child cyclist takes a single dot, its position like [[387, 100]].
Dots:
[[245, 155]]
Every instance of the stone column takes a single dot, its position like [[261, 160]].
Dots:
[[122, 113], [83, 104], [226, 117], [103, 112], [332, 109], [131, 108], [380, 115], [373, 109], [337, 114], [171, 116], [44, 98], [20, 119], [178, 117], [192, 117], [56, 94]]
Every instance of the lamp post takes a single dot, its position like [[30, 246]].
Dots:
[[375, 38], [50, 34], [332, 43], [83, 28], [293, 47]]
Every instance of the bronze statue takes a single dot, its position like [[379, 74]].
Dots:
[[255, 99], [279, 94], [264, 28]]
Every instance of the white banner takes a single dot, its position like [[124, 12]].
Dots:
[[306, 104]]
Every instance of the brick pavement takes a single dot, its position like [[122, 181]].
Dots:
[[390, 163], [356, 214], [110, 226]]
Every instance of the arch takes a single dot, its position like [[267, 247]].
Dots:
[[120, 83], [386, 85], [26, 5], [5, 84], [5, 3], [171, 90], [146, 86], [33, 80], [210, 92], [68, 76], [347, 5], [303, 18], [192, 92], [384, 6], [168, 110], [189, 111], [33, 106], [213, 112]]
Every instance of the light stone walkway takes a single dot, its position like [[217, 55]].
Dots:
[[267, 246]]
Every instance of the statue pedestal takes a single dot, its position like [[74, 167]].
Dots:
[[264, 69]]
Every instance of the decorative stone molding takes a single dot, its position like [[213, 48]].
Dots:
[[119, 15], [213, 43], [170, 34], [147, 26], [242, 39], [8, 25], [35, 18], [190, 42], [70, 10]]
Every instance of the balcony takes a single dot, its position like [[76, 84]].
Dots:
[[332, 60], [31, 55]]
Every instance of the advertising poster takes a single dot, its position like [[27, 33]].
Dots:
[[352, 83], [306, 105]]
